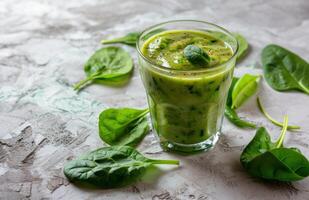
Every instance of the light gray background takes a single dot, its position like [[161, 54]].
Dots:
[[43, 122]]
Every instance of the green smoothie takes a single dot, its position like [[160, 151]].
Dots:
[[186, 101]]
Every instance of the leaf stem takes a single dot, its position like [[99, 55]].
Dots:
[[112, 41], [146, 111], [302, 87], [272, 120], [283, 132], [81, 83], [165, 162]]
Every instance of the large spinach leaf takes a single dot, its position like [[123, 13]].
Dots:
[[284, 70], [233, 117], [107, 65], [231, 114], [123, 126], [244, 88], [110, 167], [270, 160]]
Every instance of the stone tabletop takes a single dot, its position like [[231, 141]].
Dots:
[[44, 123]]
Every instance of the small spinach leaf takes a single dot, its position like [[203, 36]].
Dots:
[[109, 64], [272, 120], [129, 39], [270, 160], [135, 133], [245, 87], [132, 38], [229, 96], [196, 56], [284, 70], [242, 45], [123, 126], [110, 167], [232, 116]]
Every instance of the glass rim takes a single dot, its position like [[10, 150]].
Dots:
[[160, 67]]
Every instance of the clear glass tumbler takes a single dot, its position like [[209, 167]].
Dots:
[[187, 106]]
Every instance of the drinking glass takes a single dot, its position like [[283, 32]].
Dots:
[[187, 106]]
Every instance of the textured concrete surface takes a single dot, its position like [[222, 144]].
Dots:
[[44, 123]]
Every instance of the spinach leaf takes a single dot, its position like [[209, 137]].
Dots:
[[109, 64], [229, 96], [272, 120], [270, 160], [135, 133], [123, 126], [110, 167], [242, 45], [245, 87], [196, 56], [231, 114], [129, 39], [284, 70]]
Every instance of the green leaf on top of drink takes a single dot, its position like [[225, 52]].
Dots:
[[284, 70], [196, 56]]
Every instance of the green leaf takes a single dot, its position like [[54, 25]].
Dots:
[[242, 45], [110, 167], [116, 81], [270, 160], [123, 126], [129, 39], [258, 145], [132, 38], [245, 87], [272, 120], [196, 56], [136, 133], [284, 70], [229, 96], [281, 164], [232, 116], [109, 64]]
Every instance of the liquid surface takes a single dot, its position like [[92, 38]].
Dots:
[[166, 48]]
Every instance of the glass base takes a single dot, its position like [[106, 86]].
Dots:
[[191, 148]]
